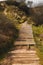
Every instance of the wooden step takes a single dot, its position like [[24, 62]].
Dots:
[[24, 61], [26, 35], [26, 30], [23, 39], [26, 25], [27, 59], [26, 47], [23, 51], [24, 56], [27, 64], [24, 43]]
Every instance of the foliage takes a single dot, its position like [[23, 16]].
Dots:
[[37, 15], [38, 35], [8, 34], [16, 15], [38, 29]]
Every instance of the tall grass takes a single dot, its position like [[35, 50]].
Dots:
[[38, 36]]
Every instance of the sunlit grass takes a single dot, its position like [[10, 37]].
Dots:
[[39, 41]]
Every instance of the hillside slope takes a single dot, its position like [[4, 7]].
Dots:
[[37, 14]]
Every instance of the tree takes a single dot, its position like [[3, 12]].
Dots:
[[28, 3]]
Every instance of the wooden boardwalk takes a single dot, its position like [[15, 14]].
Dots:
[[24, 52]]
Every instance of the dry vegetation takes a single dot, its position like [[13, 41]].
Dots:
[[37, 15], [8, 34]]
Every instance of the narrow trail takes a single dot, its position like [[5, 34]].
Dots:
[[24, 52]]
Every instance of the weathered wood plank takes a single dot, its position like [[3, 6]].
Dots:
[[22, 56]]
